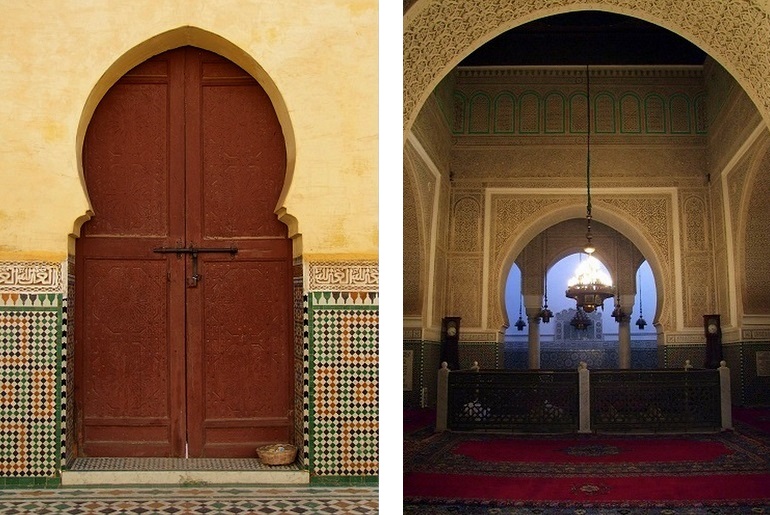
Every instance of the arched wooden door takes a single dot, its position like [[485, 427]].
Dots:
[[183, 276]]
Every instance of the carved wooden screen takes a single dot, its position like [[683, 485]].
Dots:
[[184, 152]]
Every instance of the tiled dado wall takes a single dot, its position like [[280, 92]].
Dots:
[[749, 386], [33, 318], [336, 368], [342, 306]]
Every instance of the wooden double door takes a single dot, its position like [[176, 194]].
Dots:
[[183, 306]]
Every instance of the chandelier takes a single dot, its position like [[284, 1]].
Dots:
[[641, 322], [545, 313], [590, 287], [520, 323]]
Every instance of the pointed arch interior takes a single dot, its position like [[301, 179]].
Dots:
[[576, 213]]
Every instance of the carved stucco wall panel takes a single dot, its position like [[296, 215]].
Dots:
[[464, 282], [466, 228], [694, 221], [432, 130], [737, 187], [530, 261], [465, 286], [698, 289], [650, 214], [697, 262], [425, 184], [756, 240], [439, 287], [442, 254], [422, 186], [612, 164], [510, 212], [736, 120], [439, 33], [720, 251], [413, 251], [526, 101]]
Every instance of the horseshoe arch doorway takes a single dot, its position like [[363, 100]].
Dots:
[[184, 324]]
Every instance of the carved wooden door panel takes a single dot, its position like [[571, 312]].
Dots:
[[239, 316], [184, 151]]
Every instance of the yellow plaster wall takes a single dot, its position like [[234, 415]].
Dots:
[[316, 58]]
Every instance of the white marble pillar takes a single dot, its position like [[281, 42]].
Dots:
[[584, 390]]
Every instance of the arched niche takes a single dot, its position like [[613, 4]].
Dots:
[[623, 226]]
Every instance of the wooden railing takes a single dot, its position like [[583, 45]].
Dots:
[[669, 400]]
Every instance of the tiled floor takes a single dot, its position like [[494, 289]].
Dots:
[[192, 500]]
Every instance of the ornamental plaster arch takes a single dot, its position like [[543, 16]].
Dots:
[[620, 222], [206, 40], [438, 34]]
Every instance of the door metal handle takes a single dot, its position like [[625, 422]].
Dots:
[[192, 281]]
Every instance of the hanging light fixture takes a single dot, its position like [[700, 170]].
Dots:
[[617, 313], [640, 322], [520, 323], [590, 287], [545, 313], [580, 321]]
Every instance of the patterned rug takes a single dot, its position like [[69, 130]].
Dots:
[[192, 500], [726, 472]]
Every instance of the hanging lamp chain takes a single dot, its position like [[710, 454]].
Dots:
[[588, 158]]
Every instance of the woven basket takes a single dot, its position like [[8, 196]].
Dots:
[[277, 454]]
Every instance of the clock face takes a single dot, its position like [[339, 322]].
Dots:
[[451, 330], [712, 328]]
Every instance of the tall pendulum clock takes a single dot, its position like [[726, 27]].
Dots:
[[713, 330], [450, 342]]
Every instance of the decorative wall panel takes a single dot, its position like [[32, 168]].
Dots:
[[651, 214], [344, 391], [413, 251], [467, 215], [464, 285], [734, 31], [756, 238], [675, 356], [30, 373], [343, 276], [32, 277], [623, 90], [756, 387], [301, 365], [487, 354]]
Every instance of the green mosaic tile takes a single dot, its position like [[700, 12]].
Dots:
[[344, 387], [30, 400]]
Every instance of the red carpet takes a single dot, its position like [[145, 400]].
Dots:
[[726, 472], [603, 451], [698, 488]]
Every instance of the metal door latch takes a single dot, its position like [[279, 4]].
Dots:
[[192, 281]]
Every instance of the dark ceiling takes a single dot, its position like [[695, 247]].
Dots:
[[586, 38]]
